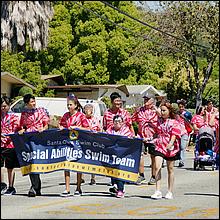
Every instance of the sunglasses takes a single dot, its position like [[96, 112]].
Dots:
[[118, 120]]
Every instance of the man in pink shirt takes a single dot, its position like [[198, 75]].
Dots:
[[116, 109], [209, 111], [33, 119], [146, 117]]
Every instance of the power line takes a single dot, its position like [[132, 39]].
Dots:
[[135, 34], [157, 29]]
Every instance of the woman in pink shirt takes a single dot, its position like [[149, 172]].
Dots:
[[74, 118], [94, 126], [198, 121], [167, 146]]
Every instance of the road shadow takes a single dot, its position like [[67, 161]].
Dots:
[[199, 169], [83, 184], [201, 194]]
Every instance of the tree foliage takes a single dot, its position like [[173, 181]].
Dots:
[[197, 24], [91, 43]]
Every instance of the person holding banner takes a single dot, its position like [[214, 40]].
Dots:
[[9, 124], [146, 117], [116, 109], [74, 118], [33, 119], [119, 128], [94, 125], [167, 146]]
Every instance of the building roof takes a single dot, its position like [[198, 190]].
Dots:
[[123, 88], [15, 80], [57, 78], [141, 89]]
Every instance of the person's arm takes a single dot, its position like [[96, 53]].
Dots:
[[195, 128], [157, 109], [170, 145], [213, 118]]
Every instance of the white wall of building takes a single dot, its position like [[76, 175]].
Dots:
[[5, 88]]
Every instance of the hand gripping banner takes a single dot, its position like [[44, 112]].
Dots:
[[80, 151]]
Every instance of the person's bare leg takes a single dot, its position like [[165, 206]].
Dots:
[[170, 170], [92, 176], [67, 180], [153, 172], [141, 166], [79, 178], [11, 177], [158, 166]]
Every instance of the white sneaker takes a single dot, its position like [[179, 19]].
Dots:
[[157, 195], [65, 193], [169, 195]]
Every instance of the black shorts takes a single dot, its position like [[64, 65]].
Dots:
[[9, 158], [149, 147], [158, 153]]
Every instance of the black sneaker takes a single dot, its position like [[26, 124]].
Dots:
[[31, 193], [113, 190], [181, 164], [140, 180], [3, 188], [92, 182], [77, 193], [82, 181], [152, 181], [10, 191], [38, 193]]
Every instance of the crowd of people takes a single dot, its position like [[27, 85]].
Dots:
[[166, 130]]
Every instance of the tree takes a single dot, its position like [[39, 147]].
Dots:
[[22, 20], [197, 23], [25, 90]]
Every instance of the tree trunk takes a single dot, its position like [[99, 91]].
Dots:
[[200, 88]]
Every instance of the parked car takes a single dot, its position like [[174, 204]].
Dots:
[[58, 106]]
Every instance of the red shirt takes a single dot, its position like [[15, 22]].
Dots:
[[199, 121], [78, 119], [32, 119], [94, 123], [147, 121], [124, 130], [109, 115], [182, 125], [9, 124], [209, 115], [165, 130]]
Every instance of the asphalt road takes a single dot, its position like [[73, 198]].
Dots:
[[196, 196]]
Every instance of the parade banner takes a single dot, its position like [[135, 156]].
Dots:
[[79, 150]]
